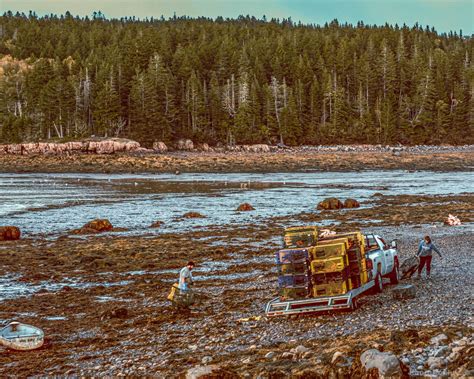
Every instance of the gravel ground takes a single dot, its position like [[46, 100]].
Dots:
[[134, 274], [213, 333]]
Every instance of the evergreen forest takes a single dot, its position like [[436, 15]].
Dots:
[[233, 81]]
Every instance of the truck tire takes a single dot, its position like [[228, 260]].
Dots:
[[395, 274], [378, 287]]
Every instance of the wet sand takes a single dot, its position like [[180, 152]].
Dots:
[[101, 299], [281, 161]]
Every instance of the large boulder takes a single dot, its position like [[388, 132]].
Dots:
[[30, 148], [116, 145], [130, 145], [14, 149], [204, 147], [386, 363], [258, 148], [75, 146], [351, 203], [60, 148], [404, 292], [101, 225], [235, 148], [157, 224], [43, 147], [9, 233], [245, 207], [92, 146], [160, 147], [185, 144], [193, 215], [106, 147], [452, 220], [110, 146], [95, 226], [330, 204]]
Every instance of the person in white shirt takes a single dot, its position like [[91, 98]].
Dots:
[[186, 277]]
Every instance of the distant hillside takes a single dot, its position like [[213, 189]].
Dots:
[[233, 81]]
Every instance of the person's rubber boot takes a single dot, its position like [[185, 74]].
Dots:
[[418, 277]]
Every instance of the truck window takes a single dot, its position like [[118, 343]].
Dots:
[[372, 243], [384, 244]]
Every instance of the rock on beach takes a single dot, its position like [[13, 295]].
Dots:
[[330, 204], [99, 146], [157, 224], [9, 233], [351, 203], [185, 144], [245, 207], [95, 226], [160, 147], [386, 363], [193, 215]]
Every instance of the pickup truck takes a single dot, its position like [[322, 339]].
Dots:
[[381, 261], [384, 260]]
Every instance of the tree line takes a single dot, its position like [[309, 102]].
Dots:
[[233, 81]]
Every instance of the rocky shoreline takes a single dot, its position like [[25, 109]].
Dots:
[[117, 145], [102, 303], [300, 160], [115, 155], [101, 298]]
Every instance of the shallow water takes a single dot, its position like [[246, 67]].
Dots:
[[54, 203], [11, 287]]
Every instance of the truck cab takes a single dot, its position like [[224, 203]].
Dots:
[[383, 258]]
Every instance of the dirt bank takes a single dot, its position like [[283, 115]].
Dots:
[[282, 161]]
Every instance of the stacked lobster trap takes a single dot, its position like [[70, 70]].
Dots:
[[312, 266]]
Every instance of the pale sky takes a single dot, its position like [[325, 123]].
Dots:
[[444, 15]]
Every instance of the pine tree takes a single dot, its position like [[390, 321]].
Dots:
[[216, 116], [138, 108], [106, 113]]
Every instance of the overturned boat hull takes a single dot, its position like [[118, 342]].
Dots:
[[18, 336]]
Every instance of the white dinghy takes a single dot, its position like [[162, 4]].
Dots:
[[18, 336]]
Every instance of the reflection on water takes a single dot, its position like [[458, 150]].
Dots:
[[52, 203]]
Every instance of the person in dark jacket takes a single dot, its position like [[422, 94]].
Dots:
[[425, 251]]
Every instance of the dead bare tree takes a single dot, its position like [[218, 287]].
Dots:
[[280, 99], [228, 102]]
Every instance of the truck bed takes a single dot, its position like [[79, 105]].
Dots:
[[318, 304]]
